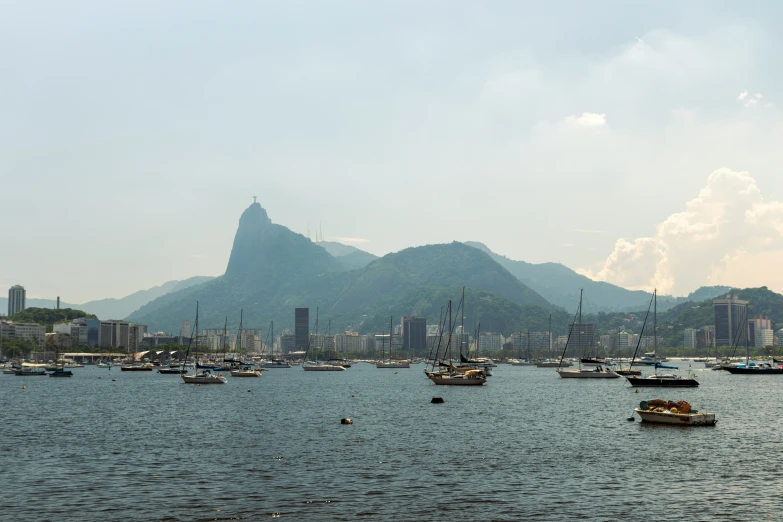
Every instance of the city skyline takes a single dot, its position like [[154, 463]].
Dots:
[[635, 144]]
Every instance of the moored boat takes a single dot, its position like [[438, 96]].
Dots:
[[659, 411]]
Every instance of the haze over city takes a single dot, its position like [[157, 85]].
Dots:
[[636, 143]]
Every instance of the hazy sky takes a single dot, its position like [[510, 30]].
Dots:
[[638, 142]]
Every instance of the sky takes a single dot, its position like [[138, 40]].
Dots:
[[635, 142]]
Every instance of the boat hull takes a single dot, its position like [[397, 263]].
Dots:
[[197, 379], [754, 370], [136, 368], [323, 368], [393, 364], [647, 382], [245, 373], [277, 365], [457, 380], [587, 374], [677, 419]]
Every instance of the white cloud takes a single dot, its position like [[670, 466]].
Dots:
[[759, 96], [587, 119], [727, 235], [742, 95]]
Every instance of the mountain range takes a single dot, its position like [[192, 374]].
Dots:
[[272, 270], [112, 308]]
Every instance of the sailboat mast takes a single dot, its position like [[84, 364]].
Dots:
[[239, 350], [528, 345], [225, 336], [451, 330], [580, 327], [272, 338], [462, 327], [391, 318], [655, 323], [316, 335], [549, 335]]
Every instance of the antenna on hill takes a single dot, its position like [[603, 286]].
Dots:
[[254, 199], [308, 230]]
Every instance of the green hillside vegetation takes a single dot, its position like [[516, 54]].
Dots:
[[494, 312], [392, 277], [49, 316]]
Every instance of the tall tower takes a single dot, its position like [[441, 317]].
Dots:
[[731, 319], [301, 328], [16, 299]]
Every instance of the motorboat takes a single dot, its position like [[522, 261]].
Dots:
[[204, 377], [599, 372], [667, 380], [658, 411], [468, 378], [143, 367], [276, 363], [393, 364], [245, 371], [322, 367]]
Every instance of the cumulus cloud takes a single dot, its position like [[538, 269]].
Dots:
[[742, 95], [587, 119], [728, 235]]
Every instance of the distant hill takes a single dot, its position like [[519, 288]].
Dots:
[[112, 308], [560, 285], [348, 256], [272, 270], [395, 275]]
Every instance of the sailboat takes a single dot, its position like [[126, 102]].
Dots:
[[452, 375], [599, 372], [274, 363], [204, 376], [315, 366], [750, 368], [656, 380], [59, 370], [391, 363], [239, 368]]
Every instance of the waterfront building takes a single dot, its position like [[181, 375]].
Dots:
[[689, 338], [16, 299], [490, 342], [760, 331], [184, 330], [33, 332], [302, 328], [287, 341], [582, 340], [348, 342], [414, 334], [730, 321], [118, 334], [382, 345]]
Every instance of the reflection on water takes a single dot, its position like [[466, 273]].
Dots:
[[528, 445]]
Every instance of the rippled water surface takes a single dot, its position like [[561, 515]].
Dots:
[[528, 445]]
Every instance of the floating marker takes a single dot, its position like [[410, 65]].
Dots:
[[346, 421], [437, 400]]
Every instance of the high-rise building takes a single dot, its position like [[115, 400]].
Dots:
[[489, 342], [414, 335], [302, 327], [184, 330], [689, 340], [117, 334], [760, 331], [731, 318], [16, 299], [582, 339]]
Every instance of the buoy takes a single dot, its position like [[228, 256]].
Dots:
[[24, 387], [248, 391], [395, 373], [636, 391], [100, 377], [154, 476], [352, 395], [114, 380], [346, 421], [631, 419], [437, 400]]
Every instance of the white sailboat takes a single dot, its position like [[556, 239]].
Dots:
[[597, 372], [239, 369], [315, 366], [204, 376], [391, 363]]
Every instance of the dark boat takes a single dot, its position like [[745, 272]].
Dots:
[[762, 369], [61, 372], [594, 361], [663, 381], [626, 373]]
